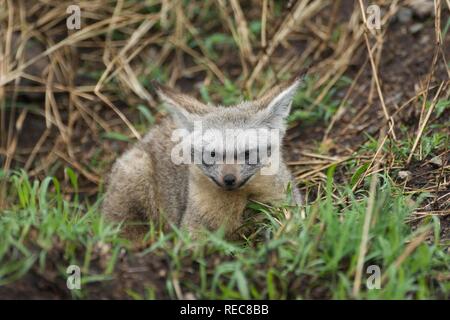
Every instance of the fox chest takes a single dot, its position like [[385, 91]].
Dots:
[[215, 207], [218, 202]]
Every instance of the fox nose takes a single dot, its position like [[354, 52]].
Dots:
[[229, 180]]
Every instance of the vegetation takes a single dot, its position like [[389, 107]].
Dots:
[[368, 143]]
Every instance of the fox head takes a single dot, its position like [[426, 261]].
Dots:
[[230, 145]]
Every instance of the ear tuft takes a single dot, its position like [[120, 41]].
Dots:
[[184, 109], [189, 103], [281, 103], [263, 101], [278, 106]]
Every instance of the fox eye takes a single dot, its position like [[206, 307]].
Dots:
[[247, 158], [247, 155], [210, 161]]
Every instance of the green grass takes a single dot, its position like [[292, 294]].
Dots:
[[304, 108], [41, 221], [287, 257], [44, 226]]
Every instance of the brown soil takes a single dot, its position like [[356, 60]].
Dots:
[[405, 62]]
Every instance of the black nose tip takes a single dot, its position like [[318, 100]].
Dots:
[[229, 180]]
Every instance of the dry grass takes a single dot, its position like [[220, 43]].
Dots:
[[68, 97], [81, 84]]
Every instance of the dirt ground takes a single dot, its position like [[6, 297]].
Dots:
[[406, 61]]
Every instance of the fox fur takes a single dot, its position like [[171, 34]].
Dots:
[[146, 185]]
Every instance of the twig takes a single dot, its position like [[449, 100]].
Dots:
[[424, 122], [367, 221]]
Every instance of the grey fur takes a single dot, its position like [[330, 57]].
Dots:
[[145, 184]]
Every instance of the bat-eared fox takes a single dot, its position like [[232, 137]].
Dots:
[[201, 165]]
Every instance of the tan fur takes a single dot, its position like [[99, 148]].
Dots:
[[145, 185], [212, 207]]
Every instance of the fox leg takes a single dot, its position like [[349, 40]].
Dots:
[[280, 185], [128, 193]]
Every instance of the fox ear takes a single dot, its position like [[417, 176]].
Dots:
[[278, 106], [183, 108]]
